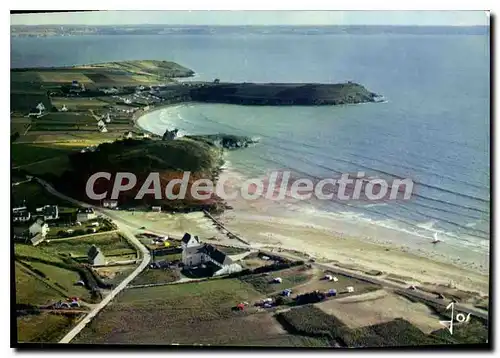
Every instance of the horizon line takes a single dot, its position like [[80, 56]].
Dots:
[[261, 25]]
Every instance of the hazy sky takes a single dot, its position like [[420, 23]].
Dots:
[[453, 18]]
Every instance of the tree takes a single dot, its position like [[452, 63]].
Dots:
[[216, 81]]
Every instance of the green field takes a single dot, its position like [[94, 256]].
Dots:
[[110, 244], [44, 327], [30, 290], [24, 101], [169, 310], [63, 279], [291, 277], [152, 276], [22, 154]]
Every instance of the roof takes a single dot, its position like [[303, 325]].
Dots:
[[216, 255], [37, 238], [38, 222], [93, 252], [186, 238], [50, 210]]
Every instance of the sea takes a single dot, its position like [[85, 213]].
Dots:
[[433, 127]]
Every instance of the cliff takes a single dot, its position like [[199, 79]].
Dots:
[[282, 93]]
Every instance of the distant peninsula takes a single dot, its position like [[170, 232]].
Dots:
[[70, 122]]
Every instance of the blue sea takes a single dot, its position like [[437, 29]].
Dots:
[[434, 126]]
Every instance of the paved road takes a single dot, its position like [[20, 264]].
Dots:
[[386, 284], [125, 230]]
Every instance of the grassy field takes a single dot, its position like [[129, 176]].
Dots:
[[43, 328], [62, 278], [112, 244], [24, 101], [380, 307], [313, 322], [291, 277], [151, 276], [30, 290], [24, 153], [190, 314], [168, 257], [170, 311]]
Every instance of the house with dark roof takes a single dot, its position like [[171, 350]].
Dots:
[[96, 257], [48, 212], [195, 253]]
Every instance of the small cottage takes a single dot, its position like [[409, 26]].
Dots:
[[96, 257]]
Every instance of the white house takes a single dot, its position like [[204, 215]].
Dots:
[[64, 108], [37, 231], [21, 215], [128, 135], [103, 129], [85, 214], [96, 257], [107, 119], [48, 212], [195, 253], [40, 106], [111, 204], [100, 123]]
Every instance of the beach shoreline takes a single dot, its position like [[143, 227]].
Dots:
[[263, 227]]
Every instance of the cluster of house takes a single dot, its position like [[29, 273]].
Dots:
[[91, 148], [77, 87], [85, 214], [196, 253], [101, 124], [110, 204], [47, 212], [37, 231], [112, 90], [130, 135]]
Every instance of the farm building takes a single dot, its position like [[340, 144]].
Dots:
[[111, 204], [20, 214], [48, 212], [156, 209], [195, 253], [96, 257], [85, 214]]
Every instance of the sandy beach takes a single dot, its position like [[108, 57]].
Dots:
[[329, 237]]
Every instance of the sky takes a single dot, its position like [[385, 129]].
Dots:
[[422, 18]]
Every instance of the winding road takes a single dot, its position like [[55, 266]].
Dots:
[[126, 227], [126, 231]]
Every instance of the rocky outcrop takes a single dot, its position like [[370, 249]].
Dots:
[[226, 141]]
